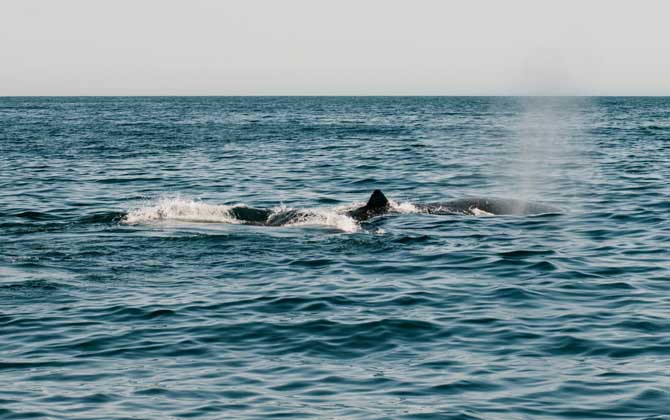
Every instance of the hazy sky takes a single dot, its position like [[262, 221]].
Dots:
[[358, 47]]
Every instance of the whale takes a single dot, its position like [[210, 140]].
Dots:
[[378, 205], [490, 206], [267, 217]]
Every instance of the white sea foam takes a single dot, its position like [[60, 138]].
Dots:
[[325, 217], [477, 212], [404, 207], [407, 208], [180, 209]]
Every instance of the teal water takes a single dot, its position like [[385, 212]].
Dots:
[[127, 289]]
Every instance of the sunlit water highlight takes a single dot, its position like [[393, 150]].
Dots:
[[127, 290]]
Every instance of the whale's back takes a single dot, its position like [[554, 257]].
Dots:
[[494, 206]]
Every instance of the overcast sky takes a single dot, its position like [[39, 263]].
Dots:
[[336, 47]]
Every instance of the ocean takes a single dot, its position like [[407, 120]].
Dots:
[[128, 289]]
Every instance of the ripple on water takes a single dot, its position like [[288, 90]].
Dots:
[[185, 314]]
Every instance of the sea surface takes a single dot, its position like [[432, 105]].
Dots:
[[129, 291]]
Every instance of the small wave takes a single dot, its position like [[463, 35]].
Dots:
[[318, 216], [103, 217], [31, 285], [35, 215]]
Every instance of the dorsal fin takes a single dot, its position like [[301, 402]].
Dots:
[[377, 200]]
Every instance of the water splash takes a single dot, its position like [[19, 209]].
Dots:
[[327, 217], [180, 209], [177, 208], [407, 207], [404, 207]]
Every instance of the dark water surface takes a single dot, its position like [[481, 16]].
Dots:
[[127, 290]]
